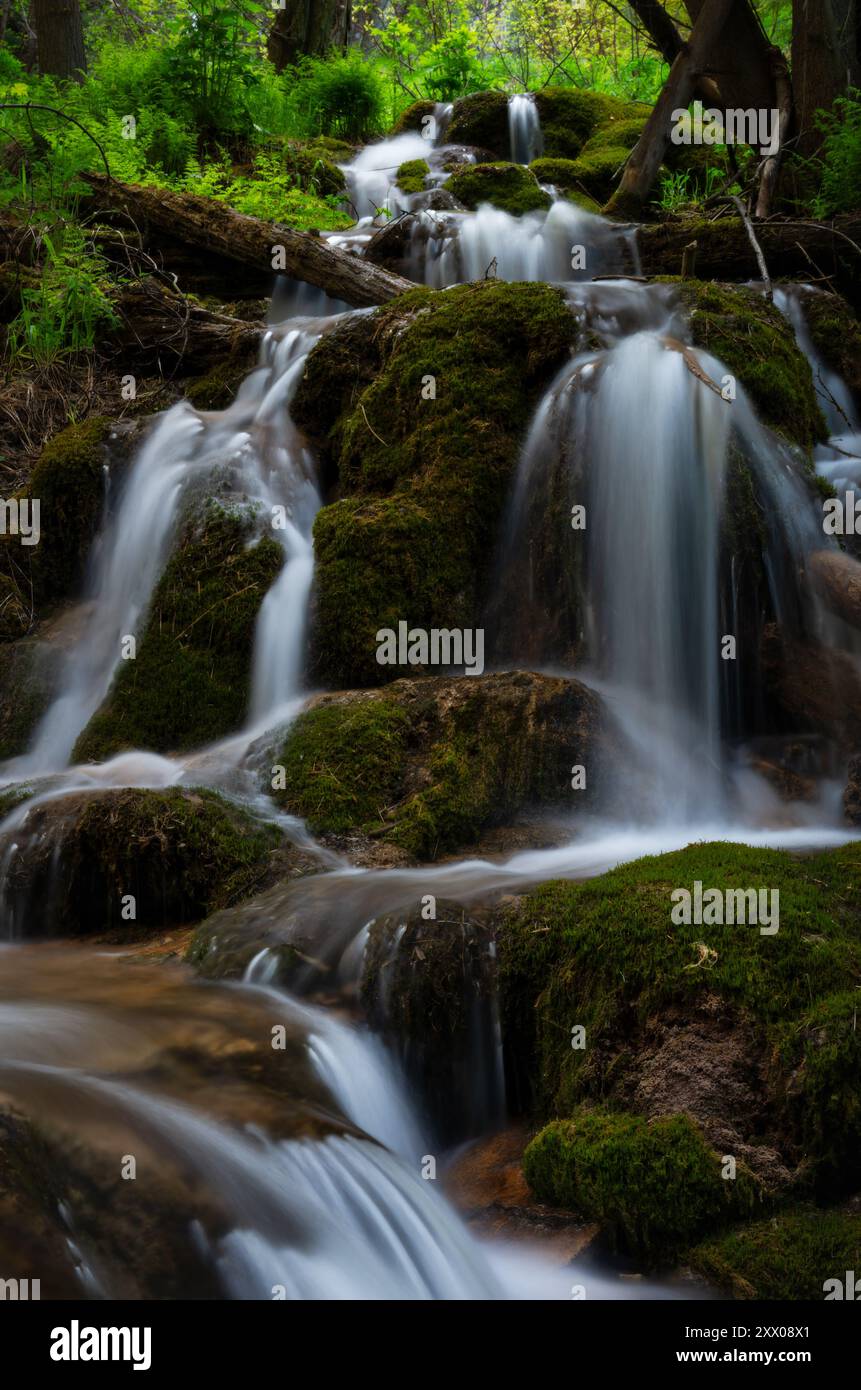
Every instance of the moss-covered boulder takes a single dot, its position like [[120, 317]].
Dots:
[[751, 338], [411, 175], [190, 680], [598, 168], [802, 1253], [313, 168], [427, 763], [511, 187], [420, 479], [752, 1035], [69, 482], [217, 388], [564, 176], [655, 1188], [179, 854], [481, 120], [414, 116], [569, 117], [28, 669]]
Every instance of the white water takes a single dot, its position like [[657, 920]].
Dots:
[[524, 128], [370, 1227]]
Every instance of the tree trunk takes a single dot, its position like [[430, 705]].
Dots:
[[826, 60], [60, 37], [266, 246], [676, 94], [739, 58], [310, 27], [159, 328], [669, 42]]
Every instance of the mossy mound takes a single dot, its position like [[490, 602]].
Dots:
[[189, 683], [481, 120], [564, 175], [427, 763], [511, 187], [654, 1188], [803, 1253], [423, 480], [217, 389], [314, 169], [835, 332], [569, 117], [69, 483], [752, 339], [180, 854], [413, 117], [716, 1020], [598, 168], [412, 174]]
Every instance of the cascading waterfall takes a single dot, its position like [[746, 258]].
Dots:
[[337, 1208], [524, 129]]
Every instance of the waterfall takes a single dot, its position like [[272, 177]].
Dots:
[[255, 442], [524, 129]]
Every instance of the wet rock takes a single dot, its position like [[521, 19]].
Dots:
[[836, 334], [82, 858], [837, 577], [852, 794], [427, 763], [813, 687], [511, 187]]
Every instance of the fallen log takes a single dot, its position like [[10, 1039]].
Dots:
[[215, 228], [158, 328], [813, 251]]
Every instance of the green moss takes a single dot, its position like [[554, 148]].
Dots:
[[570, 116], [791, 1256], [27, 669], [15, 614], [413, 117], [750, 337], [217, 389], [426, 478], [182, 854], [606, 954], [836, 335], [564, 175], [481, 120], [412, 174], [430, 763], [69, 481], [189, 682], [343, 765], [653, 1187], [314, 171], [511, 187], [597, 169]]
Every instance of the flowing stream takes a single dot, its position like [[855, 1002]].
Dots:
[[146, 1059]]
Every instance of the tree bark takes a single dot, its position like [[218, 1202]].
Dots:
[[159, 328], [739, 58], [669, 42], [826, 60], [676, 94], [265, 246], [60, 37], [311, 27]]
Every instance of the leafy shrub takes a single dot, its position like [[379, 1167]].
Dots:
[[840, 188], [341, 96]]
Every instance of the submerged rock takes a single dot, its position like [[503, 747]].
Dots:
[[175, 856], [421, 477], [427, 763]]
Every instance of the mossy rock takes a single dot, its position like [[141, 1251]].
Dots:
[[16, 616], [411, 175], [181, 854], [314, 170], [802, 1253], [412, 118], [481, 120], [28, 669], [569, 116], [423, 481], [654, 1188], [605, 954], [564, 175], [189, 682], [69, 482], [597, 169], [752, 339], [835, 332], [217, 389], [511, 187], [427, 763]]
